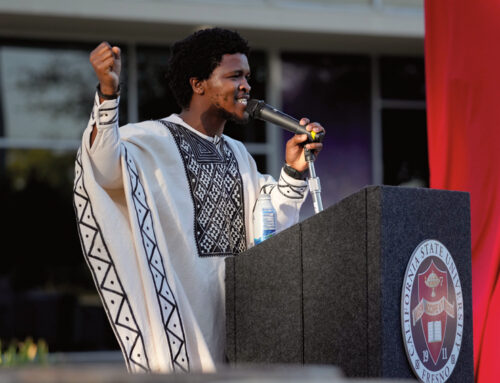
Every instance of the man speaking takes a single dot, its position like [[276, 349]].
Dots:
[[159, 204]]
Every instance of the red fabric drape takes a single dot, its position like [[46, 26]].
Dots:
[[462, 48]]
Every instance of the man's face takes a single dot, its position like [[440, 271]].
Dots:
[[227, 87]]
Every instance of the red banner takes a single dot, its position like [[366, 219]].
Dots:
[[463, 112]]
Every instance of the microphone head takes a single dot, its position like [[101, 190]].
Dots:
[[254, 107]]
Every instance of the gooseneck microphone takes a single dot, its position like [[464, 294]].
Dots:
[[260, 110]]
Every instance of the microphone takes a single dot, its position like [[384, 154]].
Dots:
[[260, 110]]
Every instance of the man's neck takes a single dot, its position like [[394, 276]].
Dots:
[[206, 123]]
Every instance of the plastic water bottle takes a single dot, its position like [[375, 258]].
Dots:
[[264, 219]]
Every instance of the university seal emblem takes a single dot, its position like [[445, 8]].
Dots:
[[432, 312]]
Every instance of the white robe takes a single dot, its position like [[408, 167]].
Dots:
[[135, 214]]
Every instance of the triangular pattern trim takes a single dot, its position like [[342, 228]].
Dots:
[[177, 344], [94, 248]]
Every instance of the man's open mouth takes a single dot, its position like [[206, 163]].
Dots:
[[242, 101]]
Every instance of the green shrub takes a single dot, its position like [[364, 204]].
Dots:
[[22, 353]]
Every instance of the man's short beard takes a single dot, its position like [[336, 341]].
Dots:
[[233, 118]]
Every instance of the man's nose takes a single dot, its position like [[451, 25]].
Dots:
[[245, 86]]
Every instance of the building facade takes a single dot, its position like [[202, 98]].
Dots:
[[356, 66]]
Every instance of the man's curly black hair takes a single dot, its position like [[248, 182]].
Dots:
[[197, 56]]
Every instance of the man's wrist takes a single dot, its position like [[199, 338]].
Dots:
[[108, 96], [294, 173]]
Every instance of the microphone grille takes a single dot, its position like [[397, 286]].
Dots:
[[254, 107]]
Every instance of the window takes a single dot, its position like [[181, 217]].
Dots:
[[403, 121], [46, 95], [334, 90]]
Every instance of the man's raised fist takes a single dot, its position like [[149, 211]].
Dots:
[[107, 65]]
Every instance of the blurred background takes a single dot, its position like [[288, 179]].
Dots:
[[356, 66]]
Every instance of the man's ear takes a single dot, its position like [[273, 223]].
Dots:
[[197, 85]]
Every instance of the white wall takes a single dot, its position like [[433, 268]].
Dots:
[[382, 26]]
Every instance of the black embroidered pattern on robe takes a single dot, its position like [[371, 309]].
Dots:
[[115, 301], [217, 193], [169, 308]]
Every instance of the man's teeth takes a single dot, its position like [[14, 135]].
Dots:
[[242, 101]]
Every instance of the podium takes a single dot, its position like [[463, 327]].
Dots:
[[329, 289]]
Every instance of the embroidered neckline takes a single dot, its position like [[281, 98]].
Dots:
[[216, 190]]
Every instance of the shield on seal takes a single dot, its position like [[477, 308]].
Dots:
[[433, 289]]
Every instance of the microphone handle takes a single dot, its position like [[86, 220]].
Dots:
[[284, 120]]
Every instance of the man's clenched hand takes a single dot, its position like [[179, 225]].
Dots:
[[295, 146], [107, 65]]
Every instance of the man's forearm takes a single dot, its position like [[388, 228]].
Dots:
[[103, 96], [103, 145]]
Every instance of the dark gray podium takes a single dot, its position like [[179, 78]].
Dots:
[[328, 290]]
